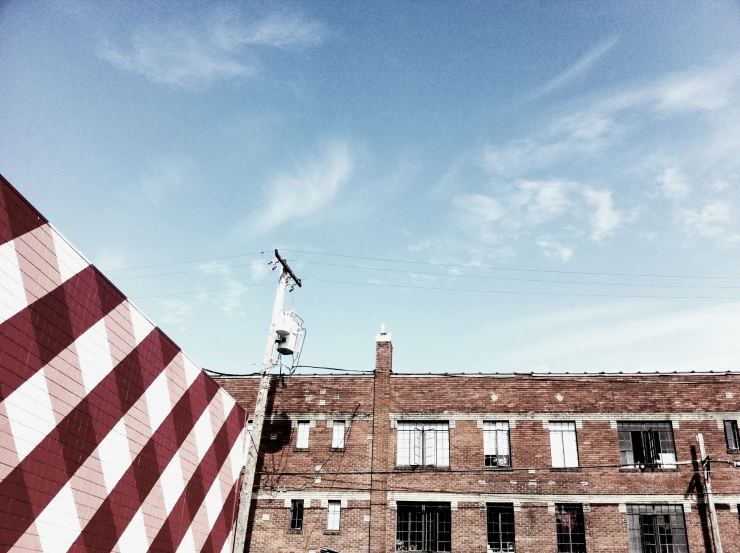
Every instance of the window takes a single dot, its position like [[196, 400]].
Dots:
[[333, 515], [571, 529], [337, 437], [731, 434], [563, 445], [302, 439], [496, 444], [425, 527], [656, 529], [424, 443], [646, 444], [500, 527], [296, 514]]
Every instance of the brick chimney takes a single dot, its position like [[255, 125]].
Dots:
[[379, 514]]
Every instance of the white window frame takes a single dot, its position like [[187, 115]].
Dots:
[[563, 444], [423, 443], [333, 515], [337, 436], [496, 441], [302, 433]]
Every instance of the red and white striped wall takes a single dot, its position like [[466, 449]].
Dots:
[[111, 439]]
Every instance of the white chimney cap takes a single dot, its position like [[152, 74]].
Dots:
[[383, 336]]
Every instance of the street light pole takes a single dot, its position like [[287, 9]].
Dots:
[[706, 464], [245, 494]]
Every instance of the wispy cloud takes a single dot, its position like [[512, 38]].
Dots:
[[673, 184], [715, 219], [579, 67], [187, 56], [555, 250], [310, 187], [605, 219]]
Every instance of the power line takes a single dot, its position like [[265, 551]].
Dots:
[[185, 262], [520, 292], [202, 291], [519, 279], [495, 268], [214, 269]]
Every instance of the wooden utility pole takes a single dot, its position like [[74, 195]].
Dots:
[[709, 498], [245, 494]]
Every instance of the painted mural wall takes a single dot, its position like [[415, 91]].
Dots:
[[111, 438]]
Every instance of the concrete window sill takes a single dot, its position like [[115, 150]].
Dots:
[[420, 468], [331, 532]]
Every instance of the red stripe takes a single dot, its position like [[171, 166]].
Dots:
[[17, 215], [43, 473], [37, 334], [220, 531], [110, 520], [183, 513]]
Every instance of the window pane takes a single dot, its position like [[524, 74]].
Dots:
[[570, 448], [333, 515], [404, 445], [731, 434], [656, 529], [337, 437], [423, 527], [296, 514], [571, 530], [556, 448], [302, 440], [423, 443], [500, 527]]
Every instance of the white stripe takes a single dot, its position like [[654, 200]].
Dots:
[[58, 525], [134, 538], [93, 353], [115, 455], [158, 401], [30, 414], [142, 325], [12, 293], [69, 259]]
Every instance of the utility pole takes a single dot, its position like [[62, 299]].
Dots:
[[245, 494], [706, 463]]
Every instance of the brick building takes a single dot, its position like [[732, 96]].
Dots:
[[532, 463]]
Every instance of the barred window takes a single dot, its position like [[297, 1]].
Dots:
[[563, 444], [337, 436], [423, 443], [646, 444], [500, 527], [731, 434], [425, 527], [296, 514], [571, 529], [656, 529], [496, 448], [302, 437], [333, 515]]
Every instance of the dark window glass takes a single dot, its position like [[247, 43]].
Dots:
[[570, 528], [296, 514], [656, 529], [500, 527], [646, 444], [731, 434], [423, 527]]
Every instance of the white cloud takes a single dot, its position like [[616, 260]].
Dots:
[[311, 187], [673, 184], [542, 201], [555, 250], [183, 57], [580, 67], [714, 220], [176, 311], [605, 219]]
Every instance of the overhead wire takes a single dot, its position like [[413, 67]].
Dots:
[[522, 292], [499, 268], [185, 262]]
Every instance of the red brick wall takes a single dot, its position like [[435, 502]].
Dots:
[[528, 400]]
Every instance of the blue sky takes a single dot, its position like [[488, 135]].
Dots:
[[572, 140]]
